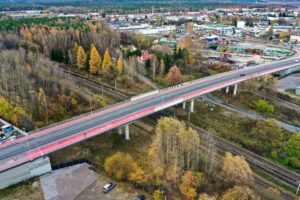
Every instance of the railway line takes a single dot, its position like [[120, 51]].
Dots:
[[281, 101], [264, 166]]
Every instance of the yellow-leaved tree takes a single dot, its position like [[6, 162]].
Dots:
[[139, 176], [81, 57], [120, 165], [235, 171], [189, 183], [106, 61], [120, 66], [238, 193], [95, 61]]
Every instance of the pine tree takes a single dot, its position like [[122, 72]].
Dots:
[[106, 61], [81, 58], [95, 61], [120, 66]]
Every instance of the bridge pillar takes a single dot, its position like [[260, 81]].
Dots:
[[184, 105], [127, 132], [192, 106], [235, 89], [227, 89], [120, 131]]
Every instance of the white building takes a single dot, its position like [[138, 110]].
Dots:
[[241, 24], [295, 38]]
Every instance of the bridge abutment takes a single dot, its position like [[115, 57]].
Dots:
[[25, 171]]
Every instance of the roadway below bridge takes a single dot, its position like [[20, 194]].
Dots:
[[249, 113], [58, 136]]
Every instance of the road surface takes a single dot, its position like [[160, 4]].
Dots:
[[248, 113]]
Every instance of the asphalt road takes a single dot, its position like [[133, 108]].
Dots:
[[249, 113], [34, 143]]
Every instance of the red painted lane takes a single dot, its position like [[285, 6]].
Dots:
[[36, 153], [51, 147]]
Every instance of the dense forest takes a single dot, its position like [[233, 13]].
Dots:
[[33, 88]]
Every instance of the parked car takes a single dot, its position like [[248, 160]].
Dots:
[[140, 197], [108, 187], [7, 129], [2, 137]]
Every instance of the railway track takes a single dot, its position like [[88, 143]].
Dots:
[[264, 166], [285, 176], [281, 102]]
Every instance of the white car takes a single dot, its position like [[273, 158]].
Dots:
[[108, 187]]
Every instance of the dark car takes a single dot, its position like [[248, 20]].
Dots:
[[2, 136], [108, 187], [140, 197], [242, 74]]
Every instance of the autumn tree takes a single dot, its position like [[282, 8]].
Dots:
[[205, 196], [81, 58], [120, 165], [161, 67], [174, 76], [43, 99], [157, 195], [174, 149], [139, 176], [10, 112], [267, 135], [283, 34], [190, 27], [26, 34], [191, 59], [154, 64], [75, 49], [106, 61], [120, 66], [95, 61], [235, 171], [190, 181], [238, 193]]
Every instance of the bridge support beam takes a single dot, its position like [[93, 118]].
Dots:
[[235, 89], [192, 106], [127, 137], [227, 89], [120, 131], [184, 105]]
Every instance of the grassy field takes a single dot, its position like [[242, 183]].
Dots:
[[22, 191]]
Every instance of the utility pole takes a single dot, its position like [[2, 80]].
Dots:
[[90, 101]]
